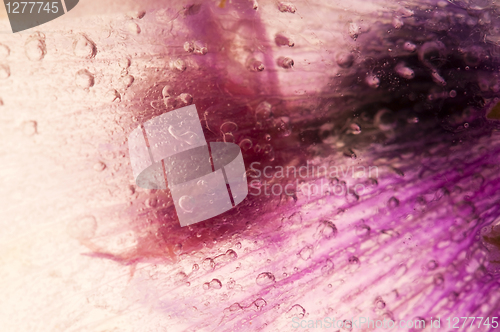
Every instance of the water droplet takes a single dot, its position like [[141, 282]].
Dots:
[[259, 303], [410, 47], [283, 126], [344, 59], [404, 72], [285, 62], [4, 71], [286, 7], [127, 81], [199, 48], [113, 95], [228, 127], [187, 203], [196, 267], [178, 64], [215, 284], [432, 265], [35, 48], [328, 267], [354, 129], [265, 278], [228, 138], [453, 94], [134, 28], [255, 65], [328, 229], [397, 22], [306, 252], [385, 119], [354, 30], [296, 311], [282, 39], [263, 111], [363, 231], [167, 91], [466, 125], [438, 279], [379, 303], [393, 203], [4, 51], [30, 128], [246, 144], [432, 54], [99, 166], [208, 264], [83, 47], [124, 63], [84, 79], [184, 99], [438, 78], [372, 81], [267, 137], [188, 47]]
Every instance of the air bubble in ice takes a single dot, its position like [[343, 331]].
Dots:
[[187, 203]]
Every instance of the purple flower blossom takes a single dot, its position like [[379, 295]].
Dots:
[[389, 109]]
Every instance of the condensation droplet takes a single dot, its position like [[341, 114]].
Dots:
[[255, 65], [436, 77], [354, 30], [167, 91], [246, 144], [187, 203], [127, 81], [363, 231], [379, 303], [4, 51], [208, 264], [296, 311], [263, 111], [113, 95], [344, 59], [432, 265], [134, 28], [215, 284], [397, 22], [200, 48], [265, 278], [372, 81], [286, 7], [281, 39], [404, 72], [83, 47], [184, 99], [228, 127], [306, 252], [99, 166], [328, 229], [178, 64], [35, 48], [285, 62], [30, 128], [84, 79], [393, 203], [4, 71], [188, 47]]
